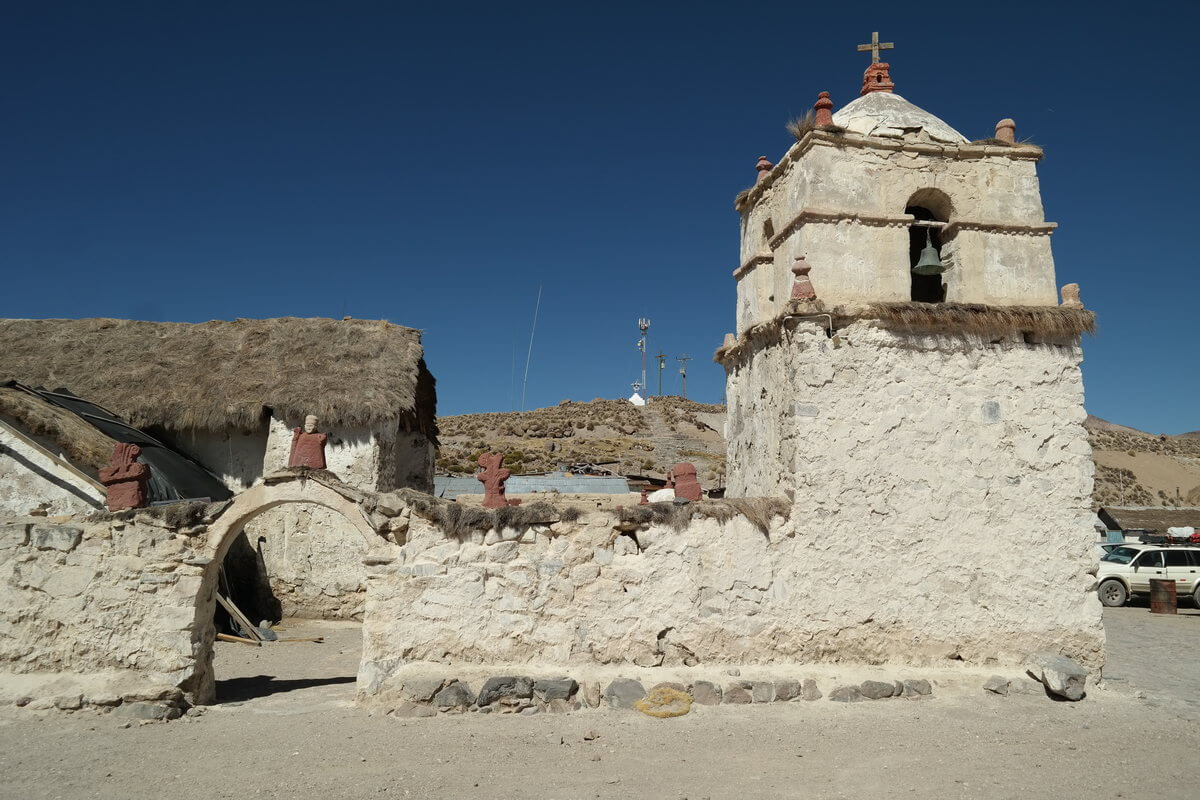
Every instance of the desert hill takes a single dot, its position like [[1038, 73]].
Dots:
[[1133, 468], [612, 434]]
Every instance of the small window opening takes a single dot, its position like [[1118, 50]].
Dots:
[[925, 288], [768, 231]]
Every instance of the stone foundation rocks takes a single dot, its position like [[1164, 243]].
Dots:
[[513, 694]]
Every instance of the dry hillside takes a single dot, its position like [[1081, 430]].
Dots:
[[621, 437], [1133, 468]]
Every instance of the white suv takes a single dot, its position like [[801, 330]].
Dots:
[[1127, 570]]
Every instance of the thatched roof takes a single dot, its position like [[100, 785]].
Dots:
[[222, 374], [1150, 518], [83, 445]]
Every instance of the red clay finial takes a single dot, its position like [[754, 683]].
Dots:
[[877, 79], [802, 288], [1006, 131], [824, 107], [763, 166]]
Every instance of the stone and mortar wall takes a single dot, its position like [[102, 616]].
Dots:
[[594, 596], [118, 609], [941, 488], [119, 612], [857, 245], [106, 609]]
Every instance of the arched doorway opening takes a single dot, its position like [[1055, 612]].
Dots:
[[930, 209], [248, 671]]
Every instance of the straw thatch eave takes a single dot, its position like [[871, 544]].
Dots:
[[971, 319], [229, 374]]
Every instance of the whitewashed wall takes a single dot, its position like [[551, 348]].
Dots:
[[28, 479], [925, 468]]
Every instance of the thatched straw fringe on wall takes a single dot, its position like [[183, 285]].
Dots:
[[84, 445], [222, 374], [943, 318]]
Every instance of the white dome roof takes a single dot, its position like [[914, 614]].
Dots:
[[890, 115]]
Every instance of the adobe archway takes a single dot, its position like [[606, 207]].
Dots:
[[201, 687]]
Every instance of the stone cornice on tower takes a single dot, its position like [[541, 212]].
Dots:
[[819, 138]]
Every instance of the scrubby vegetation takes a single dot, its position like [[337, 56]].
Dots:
[[627, 439]]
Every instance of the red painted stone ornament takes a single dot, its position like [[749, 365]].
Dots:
[[763, 166], [877, 78], [308, 446], [493, 477], [802, 288], [125, 479], [824, 108], [686, 486]]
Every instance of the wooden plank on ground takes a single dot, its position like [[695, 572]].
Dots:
[[225, 637]]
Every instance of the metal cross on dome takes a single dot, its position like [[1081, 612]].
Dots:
[[875, 46]]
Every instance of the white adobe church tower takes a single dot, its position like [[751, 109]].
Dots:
[[904, 373]]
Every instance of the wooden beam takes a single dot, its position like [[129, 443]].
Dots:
[[225, 637], [237, 614]]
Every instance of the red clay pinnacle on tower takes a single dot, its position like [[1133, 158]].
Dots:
[[1006, 131], [824, 107], [877, 79], [763, 166], [802, 288]]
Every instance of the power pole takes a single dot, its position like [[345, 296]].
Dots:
[[643, 326], [683, 359], [662, 362]]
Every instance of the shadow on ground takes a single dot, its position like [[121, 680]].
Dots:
[[236, 690]]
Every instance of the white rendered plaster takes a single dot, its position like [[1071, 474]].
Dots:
[[28, 479]]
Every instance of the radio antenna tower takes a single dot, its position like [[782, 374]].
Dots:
[[643, 326], [683, 359]]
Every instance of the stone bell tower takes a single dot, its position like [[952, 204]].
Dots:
[[903, 372]]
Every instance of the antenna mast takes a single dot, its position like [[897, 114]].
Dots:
[[643, 326], [662, 362], [683, 359]]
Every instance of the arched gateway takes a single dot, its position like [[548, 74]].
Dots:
[[278, 490]]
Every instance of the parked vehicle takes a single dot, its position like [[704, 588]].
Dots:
[[1127, 570]]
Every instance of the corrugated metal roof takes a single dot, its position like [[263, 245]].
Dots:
[[1151, 518]]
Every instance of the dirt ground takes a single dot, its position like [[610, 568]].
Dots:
[[284, 727]]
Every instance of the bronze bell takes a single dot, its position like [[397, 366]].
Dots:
[[929, 263]]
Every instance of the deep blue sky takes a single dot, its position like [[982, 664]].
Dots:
[[432, 164]]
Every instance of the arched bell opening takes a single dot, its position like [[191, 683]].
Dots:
[[928, 207]]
